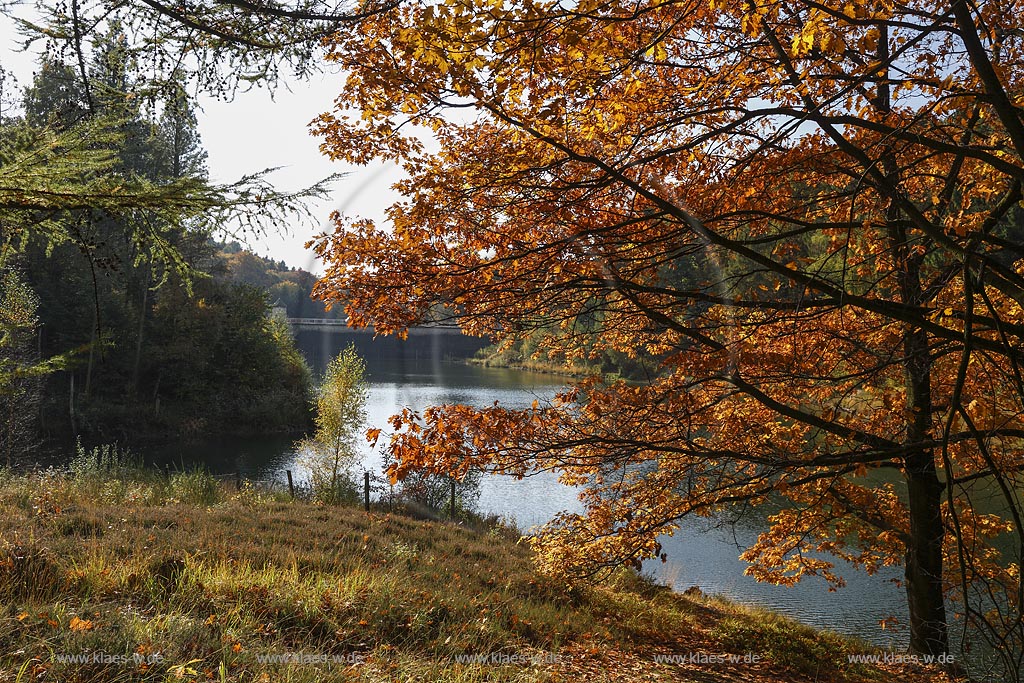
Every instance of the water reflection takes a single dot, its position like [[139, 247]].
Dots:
[[706, 554], [528, 502], [254, 457]]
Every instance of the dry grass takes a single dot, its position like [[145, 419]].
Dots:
[[205, 582]]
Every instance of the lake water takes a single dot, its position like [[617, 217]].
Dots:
[[703, 554]]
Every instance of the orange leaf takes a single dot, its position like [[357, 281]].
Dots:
[[80, 624]]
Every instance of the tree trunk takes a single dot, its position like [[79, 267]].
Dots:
[[141, 333], [928, 634], [92, 356], [71, 404], [925, 599]]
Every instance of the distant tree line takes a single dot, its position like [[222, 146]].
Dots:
[[288, 285]]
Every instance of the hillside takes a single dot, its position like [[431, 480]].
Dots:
[[149, 578]]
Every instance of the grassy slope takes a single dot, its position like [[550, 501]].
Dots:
[[211, 579]]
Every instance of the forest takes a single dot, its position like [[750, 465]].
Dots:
[[127, 323]]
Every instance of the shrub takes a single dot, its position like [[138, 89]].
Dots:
[[198, 487], [105, 458], [331, 452]]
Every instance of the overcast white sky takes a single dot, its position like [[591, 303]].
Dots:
[[254, 132]]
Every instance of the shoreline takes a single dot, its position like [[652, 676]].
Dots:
[[498, 360]]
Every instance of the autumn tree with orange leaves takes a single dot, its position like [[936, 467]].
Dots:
[[807, 211]]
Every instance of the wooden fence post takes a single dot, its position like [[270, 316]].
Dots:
[[366, 491], [291, 486]]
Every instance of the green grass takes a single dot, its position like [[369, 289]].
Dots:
[[132, 563]]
